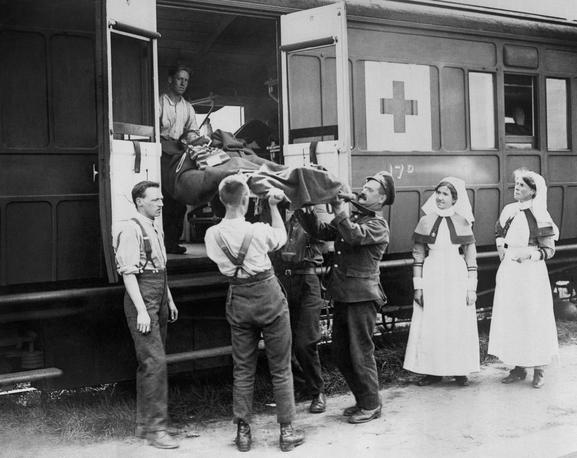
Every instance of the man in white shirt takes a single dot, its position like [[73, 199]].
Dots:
[[255, 305], [148, 306], [177, 118]]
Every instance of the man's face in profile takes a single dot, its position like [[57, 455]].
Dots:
[[179, 82]]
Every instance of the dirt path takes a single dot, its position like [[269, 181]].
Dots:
[[486, 419]]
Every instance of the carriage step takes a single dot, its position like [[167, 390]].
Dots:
[[30, 376]]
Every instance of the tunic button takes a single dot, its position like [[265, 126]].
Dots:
[[336, 265], [338, 252]]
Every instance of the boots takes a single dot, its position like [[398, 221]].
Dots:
[[517, 374], [243, 439], [538, 378], [318, 404], [161, 439], [289, 437]]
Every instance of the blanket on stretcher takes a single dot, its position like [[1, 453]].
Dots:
[[184, 182]]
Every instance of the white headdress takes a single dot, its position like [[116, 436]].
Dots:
[[462, 206], [539, 202]]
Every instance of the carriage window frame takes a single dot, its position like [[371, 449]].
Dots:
[[520, 91], [560, 117], [482, 111]]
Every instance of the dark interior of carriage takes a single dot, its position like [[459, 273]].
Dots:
[[234, 67]]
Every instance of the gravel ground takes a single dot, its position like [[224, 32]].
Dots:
[[485, 419]]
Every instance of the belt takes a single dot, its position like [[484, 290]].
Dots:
[[153, 270], [305, 271], [261, 276], [506, 246]]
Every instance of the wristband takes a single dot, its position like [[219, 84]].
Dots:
[[418, 282], [500, 242], [472, 284]]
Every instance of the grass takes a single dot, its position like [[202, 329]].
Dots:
[[107, 412]]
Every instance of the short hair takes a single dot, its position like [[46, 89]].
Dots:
[[172, 71], [139, 189], [452, 189], [232, 189]]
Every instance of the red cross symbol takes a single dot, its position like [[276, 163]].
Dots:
[[399, 107]]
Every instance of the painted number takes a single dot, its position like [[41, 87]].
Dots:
[[400, 170]]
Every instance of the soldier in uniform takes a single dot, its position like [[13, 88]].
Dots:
[[299, 258], [360, 242]]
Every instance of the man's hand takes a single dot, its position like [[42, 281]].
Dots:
[[471, 298], [143, 322], [275, 196], [418, 297], [173, 312]]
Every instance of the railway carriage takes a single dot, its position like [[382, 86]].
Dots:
[[423, 89]]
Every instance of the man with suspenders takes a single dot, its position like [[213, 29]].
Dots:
[[148, 306], [255, 305]]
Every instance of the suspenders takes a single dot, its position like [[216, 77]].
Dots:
[[147, 245], [237, 260]]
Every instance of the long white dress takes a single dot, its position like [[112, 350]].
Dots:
[[443, 339], [523, 331]]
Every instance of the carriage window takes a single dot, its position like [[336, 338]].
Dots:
[[132, 103], [520, 127], [482, 110], [557, 119], [312, 95]]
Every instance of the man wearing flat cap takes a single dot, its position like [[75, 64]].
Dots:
[[361, 239]]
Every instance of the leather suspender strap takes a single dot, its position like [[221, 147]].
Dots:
[[237, 260], [147, 244], [137, 156]]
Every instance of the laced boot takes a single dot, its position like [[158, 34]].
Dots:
[[517, 374], [289, 437], [161, 439], [538, 378], [350, 411], [318, 404], [243, 439]]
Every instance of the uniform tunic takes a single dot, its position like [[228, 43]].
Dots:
[[354, 286]]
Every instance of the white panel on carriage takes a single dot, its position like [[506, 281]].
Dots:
[[123, 176], [135, 13], [398, 106], [312, 24], [482, 110]]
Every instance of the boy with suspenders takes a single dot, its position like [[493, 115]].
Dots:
[[255, 305], [148, 306]]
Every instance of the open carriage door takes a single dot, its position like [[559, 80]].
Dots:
[[131, 142], [315, 88]]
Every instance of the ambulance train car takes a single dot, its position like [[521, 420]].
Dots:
[[423, 89]]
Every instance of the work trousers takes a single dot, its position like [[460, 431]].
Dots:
[[151, 374], [255, 307], [172, 220], [354, 350], [305, 304]]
